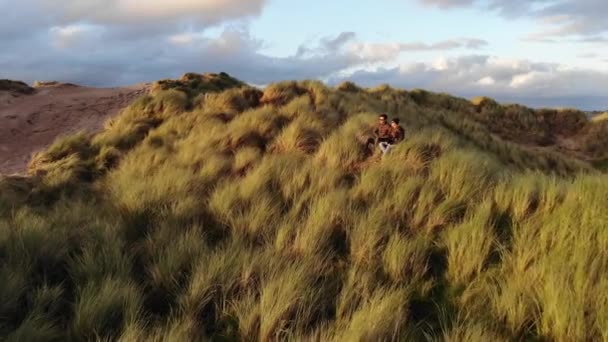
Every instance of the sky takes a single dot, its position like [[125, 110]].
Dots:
[[542, 53]]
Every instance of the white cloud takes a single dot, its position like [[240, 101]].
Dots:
[[560, 18], [536, 84], [486, 81], [377, 51], [71, 36], [447, 3], [133, 12], [388, 51], [523, 80], [440, 64], [589, 55], [127, 18], [182, 38]]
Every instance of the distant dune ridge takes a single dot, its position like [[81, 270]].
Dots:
[[207, 209], [16, 87], [600, 117], [55, 109], [32, 117], [53, 84]]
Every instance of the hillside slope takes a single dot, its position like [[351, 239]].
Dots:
[[212, 210], [31, 118]]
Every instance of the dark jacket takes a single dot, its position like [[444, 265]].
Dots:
[[383, 132], [397, 135]]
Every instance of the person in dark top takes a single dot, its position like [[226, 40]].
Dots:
[[397, 132], [396, 135], [382, 133]]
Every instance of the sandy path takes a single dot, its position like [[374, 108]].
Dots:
[[29, 123]]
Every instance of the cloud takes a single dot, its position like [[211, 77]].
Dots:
[[99, 55], [505, 7], [509, 80], [89, 55], [127, 16], [388, 51], [327, 44], [486, 81], [583, 18], [110, 42], [116, 42], [448, 3], [333, 44], [379, 52], [136, 12], [589, 55], [439, 46]]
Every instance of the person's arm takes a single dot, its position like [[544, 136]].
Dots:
[[400, 135]]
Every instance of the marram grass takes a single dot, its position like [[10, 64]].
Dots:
[[214, 211]]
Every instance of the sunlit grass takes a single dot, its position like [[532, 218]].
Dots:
[[210, 210]]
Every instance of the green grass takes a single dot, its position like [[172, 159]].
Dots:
[[211, 210]]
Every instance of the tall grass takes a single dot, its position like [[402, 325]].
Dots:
[[210, 210]]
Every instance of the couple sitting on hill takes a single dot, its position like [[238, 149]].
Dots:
[[387, 135]]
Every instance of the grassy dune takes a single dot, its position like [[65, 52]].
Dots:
[[215, 211], [15, 86]]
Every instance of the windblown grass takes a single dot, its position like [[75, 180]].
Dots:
[[211, 210]]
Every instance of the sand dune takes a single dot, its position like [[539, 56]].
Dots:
[[29, 122]]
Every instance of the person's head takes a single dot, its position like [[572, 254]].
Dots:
[[382, 118], [395, 122]]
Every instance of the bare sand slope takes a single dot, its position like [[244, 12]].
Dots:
[[30, 122]]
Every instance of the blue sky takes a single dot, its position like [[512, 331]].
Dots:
[[285, 25], [290, 23], [538, 52]]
